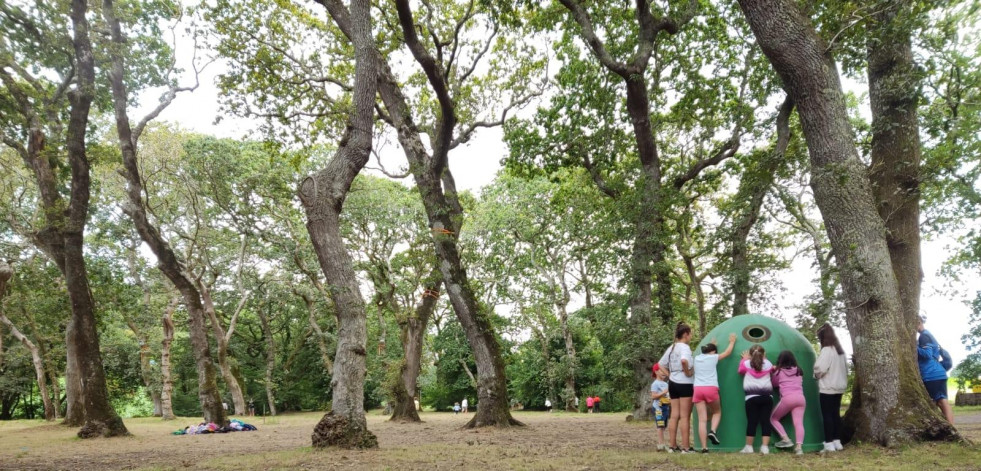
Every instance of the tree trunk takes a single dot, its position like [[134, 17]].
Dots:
[[74, 409], [222, 339], [100, 418], [441, 212], [894, 407], [135, 208], [413, 338], [753, 187], [49, 412], [322, 195], [166, 383], [55, 392], [270, 360], [894, 86]]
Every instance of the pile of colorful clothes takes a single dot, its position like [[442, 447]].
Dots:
[[234, 426]]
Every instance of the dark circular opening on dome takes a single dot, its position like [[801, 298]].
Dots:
[[756, 333]]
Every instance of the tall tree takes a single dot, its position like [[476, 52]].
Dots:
[[649, 254], [136, 208], [40, 106], [885, 360], [323, 195]]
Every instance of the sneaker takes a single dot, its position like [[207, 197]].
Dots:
[[689, 450], [749, 449], [837, 444], [704, 450], [713, 437], [784, 443], [828, 448], [674, 450], [798, 450], [764, 450]]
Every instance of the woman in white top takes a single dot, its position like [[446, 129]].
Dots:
[[679, 364], [831, 371]]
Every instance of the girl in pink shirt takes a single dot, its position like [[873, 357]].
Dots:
[[789, 381]]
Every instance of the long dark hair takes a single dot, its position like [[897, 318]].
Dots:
[[757, 355], [826, 336], [680, 330], [788, 360]]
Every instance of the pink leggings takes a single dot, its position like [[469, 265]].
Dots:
[[795, 406]]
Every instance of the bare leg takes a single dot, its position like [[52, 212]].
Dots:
[[946, 410], [702, 421], [716, 412], [673, 422], [684, 419]]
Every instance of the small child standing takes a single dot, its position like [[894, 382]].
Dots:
[[758, 387], [661, 403], [456, 408], [789, 381], [706, 398]]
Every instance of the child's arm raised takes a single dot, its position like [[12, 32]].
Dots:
[[732, 343]]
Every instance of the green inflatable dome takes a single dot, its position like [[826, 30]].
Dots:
[[775, 336]]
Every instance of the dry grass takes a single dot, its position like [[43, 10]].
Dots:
[[551, 441]]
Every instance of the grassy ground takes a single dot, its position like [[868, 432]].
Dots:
[[551, 441]]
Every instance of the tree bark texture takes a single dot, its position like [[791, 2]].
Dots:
[[270, 358], [894, 406], [894, 91], [166, 383], [167, 260], [323, 195], [413, 334]]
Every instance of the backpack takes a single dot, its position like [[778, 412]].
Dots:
[[945, 360]]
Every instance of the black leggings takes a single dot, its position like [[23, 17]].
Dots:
[[758, 410], [831, 415]]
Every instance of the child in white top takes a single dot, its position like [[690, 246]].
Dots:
[[706, 398]]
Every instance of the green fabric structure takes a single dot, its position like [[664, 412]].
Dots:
[[775, 336]]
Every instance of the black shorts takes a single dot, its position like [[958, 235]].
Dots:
[[679, 390], [936, 389]]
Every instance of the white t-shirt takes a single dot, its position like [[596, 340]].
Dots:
[[548, 403], [659, 386], [705, 374], [464, 403], [672, 361]]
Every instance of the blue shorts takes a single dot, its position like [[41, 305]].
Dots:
[[937, 389], [661, 418]]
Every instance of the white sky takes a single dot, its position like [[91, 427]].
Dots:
[[475, 165]]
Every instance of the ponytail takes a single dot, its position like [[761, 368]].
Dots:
[[757, 355], [680, 330]]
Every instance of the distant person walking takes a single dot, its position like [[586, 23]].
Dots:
[[831, 371], [251, 407], [589, 404], [677, 360], [456, 407], [548, 405], [928, 353], [464, 405]]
